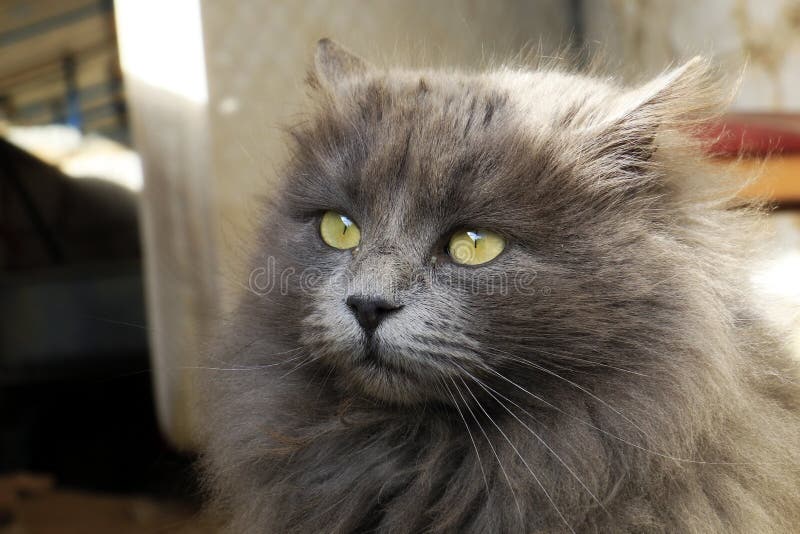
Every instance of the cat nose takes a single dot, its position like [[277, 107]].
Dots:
[[370, 311]]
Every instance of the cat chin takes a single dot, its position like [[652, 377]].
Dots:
[[388, 384]]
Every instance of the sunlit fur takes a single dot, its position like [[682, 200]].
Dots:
[[622, 382]]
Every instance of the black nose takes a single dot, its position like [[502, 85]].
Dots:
[[370, 311]]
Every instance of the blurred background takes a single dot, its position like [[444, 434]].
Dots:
[[136, 138]]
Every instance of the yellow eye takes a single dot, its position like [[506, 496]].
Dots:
[[473, 247], [339, 231]]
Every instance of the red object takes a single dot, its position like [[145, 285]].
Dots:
[[756, 134]]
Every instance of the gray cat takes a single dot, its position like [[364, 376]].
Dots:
[[510, 301]]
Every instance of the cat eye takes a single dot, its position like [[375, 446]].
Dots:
[[474, 247], [339, 231]]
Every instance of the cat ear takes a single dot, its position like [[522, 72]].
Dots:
[[679, 99], [334, 64], [677, 94]]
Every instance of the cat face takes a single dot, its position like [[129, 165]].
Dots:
[[444, 228]]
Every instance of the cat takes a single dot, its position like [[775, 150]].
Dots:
[[505, 301]]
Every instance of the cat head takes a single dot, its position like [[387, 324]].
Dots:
[[445, 227]]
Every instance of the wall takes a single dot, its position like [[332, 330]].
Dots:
[[643, 36]]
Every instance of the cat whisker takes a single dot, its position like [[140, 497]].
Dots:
[[324, 381], [491, 446], [488, 389], [519, 455], [560, 356], [205, 368], [563, 412], [246, 346], [523, 361], [248, 367], [233, 354], [469, 432], [310, 358], [621, 439], [311, 380], [595, 363]]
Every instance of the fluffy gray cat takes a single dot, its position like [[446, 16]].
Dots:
[[509, 301]]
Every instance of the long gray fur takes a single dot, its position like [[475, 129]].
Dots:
[[607, 372]]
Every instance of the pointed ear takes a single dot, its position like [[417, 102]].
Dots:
[[334, 64], [678, 95], [680, 99]]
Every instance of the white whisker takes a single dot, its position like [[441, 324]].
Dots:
[[310, 358], [620, 439], [487, 388], [536, 478], [575, 385], [469, 432], [491, 446]]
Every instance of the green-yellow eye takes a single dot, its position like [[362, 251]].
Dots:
[[339, 231], [473, 247]]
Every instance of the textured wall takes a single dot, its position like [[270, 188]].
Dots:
[[645, 35], [258, 52]]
